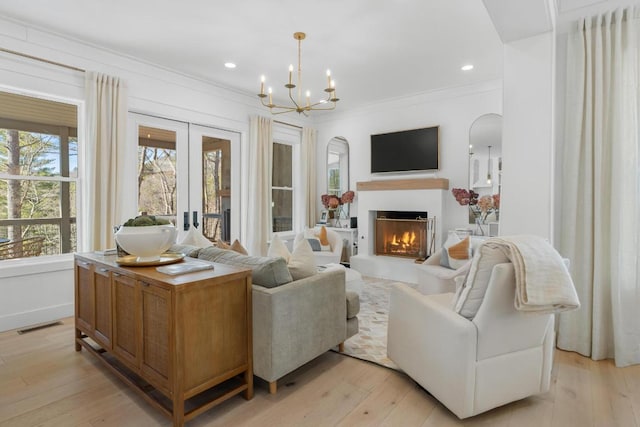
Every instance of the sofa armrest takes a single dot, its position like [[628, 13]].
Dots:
[[433, 345], [296, 322]]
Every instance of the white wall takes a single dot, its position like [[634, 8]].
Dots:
[[526, 205], [151, 89], [454, 110]]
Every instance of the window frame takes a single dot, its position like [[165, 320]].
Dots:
[[288, 135], [65, 220]]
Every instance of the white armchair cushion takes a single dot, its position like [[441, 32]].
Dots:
[[475, 286]]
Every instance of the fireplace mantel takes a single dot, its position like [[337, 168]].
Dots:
[[404, 184]]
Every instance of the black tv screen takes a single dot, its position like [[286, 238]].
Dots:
[[409, 150]]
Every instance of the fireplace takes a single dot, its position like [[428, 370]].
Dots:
[[401, 233]]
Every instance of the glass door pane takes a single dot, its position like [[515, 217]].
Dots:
[[157, 172], [216, 188], [214, 183], [162, 169]]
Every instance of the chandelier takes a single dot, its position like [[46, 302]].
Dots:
[[297, 103]]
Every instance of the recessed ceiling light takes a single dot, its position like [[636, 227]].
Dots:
[[230, 65], [467, 67]]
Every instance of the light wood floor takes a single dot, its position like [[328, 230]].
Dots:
[[44, 382]]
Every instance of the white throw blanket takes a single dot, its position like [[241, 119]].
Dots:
[[543, 284]]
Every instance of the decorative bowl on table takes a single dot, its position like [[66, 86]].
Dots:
[[146, 237]]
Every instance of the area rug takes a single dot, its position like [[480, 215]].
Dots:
[[370, 343]]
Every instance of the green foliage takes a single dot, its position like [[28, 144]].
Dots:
[[145, 221]]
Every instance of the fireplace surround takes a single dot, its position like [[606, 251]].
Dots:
[[397, 194]]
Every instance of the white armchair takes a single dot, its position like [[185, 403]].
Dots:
[[328, 257], [471, 366], [436, 279]]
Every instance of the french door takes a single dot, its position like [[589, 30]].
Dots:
[[186, 173]]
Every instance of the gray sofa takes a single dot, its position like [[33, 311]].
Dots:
[[294, 321]]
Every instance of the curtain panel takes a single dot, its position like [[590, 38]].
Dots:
[[106, 113], [600, 225], [309, 175], [259, 201]]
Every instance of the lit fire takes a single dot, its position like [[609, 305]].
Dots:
[[406, 241]]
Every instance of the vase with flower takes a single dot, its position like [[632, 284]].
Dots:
[[480, 208], [334, 205]]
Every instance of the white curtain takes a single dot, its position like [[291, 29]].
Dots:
[[309, 174], [259, 203], [600, 229], [106, 113]]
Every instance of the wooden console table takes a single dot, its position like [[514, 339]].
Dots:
[[184, 342]]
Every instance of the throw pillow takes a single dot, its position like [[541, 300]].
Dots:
[[222, 245], [315, 244], [195, 238], [277, 248], [265, 271], [302, 262], [472, 293], [236, 246], [323, 236], [459, 254], [444, 257]]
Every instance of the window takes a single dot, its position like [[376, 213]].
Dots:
[[282, 187], [285, 181], [38, 175]]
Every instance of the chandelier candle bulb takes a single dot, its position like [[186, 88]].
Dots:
[[308, 98], [290, 72], [261, 85], [270, 99], [329, 77]]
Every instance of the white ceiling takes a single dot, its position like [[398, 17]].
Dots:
[[376, 49]]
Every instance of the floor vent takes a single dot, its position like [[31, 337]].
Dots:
[[38, 327]]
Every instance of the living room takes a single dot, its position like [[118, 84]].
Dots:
[[526, 89]]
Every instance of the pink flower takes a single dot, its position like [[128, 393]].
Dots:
[[465, 197], [485, 203], [348, 197]]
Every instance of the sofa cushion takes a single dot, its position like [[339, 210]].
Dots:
[[456, 252], [265, 271], [353, 304], [472, 292]]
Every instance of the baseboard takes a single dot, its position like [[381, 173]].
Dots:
[[35, 317]]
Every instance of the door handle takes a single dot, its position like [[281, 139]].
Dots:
[[195, 219], [186, 221]]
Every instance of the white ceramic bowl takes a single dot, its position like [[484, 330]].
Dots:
[[147, 243]]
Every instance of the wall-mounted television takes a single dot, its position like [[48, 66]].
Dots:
[[404, 151]]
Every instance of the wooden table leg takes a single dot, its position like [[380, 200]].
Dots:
[[78, 336], [178, 410]]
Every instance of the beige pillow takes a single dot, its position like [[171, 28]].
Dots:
[[277, 248], [236, 246], [195, 238], [302, 262], [222, 245]]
